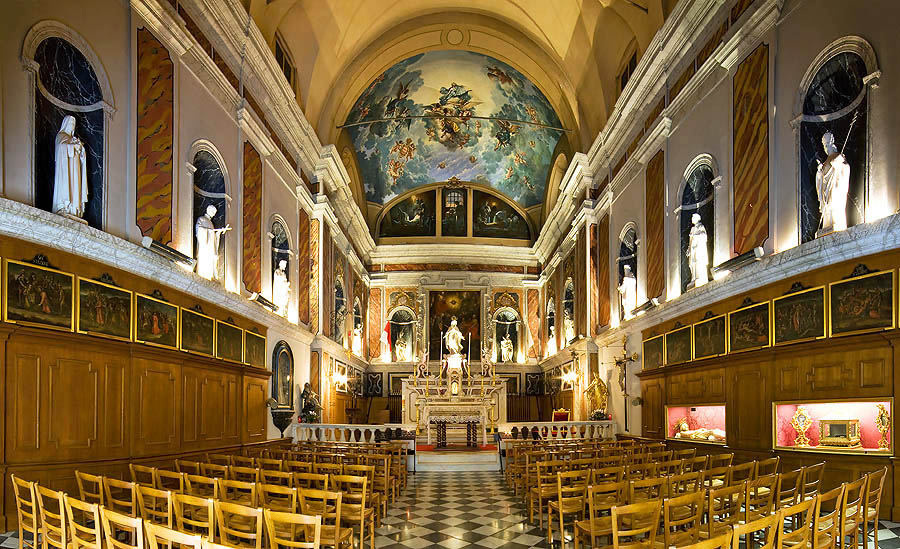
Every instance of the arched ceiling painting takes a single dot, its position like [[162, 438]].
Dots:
[[453, 114]]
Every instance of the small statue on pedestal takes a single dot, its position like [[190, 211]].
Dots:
[[698, 253], [309, 411], [208, 244], [70, 185], [506, 349], [832, 187], [628, 292], [281, 288], [454, 338]]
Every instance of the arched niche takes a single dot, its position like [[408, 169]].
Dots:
[[627, 262], [210, 188], [356, 331], [551, 325], [508, 336], [283, 375], [280, 249], [696, 196], [339, 315], [402, 330], [568, 307]]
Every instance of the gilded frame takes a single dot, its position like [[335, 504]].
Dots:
[[248, 334], [775, 303], [129, 293], [72, 298], [679, 332], [177, 324], [181, 343], [221, 329], [723, 318], [662, 351], [832, 285], [768, 318]]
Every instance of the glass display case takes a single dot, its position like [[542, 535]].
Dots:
[[858, 426], [704, 423]]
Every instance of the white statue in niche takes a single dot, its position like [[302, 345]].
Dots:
[[506, 348], [698, 253], [454, 338], [281, 288], [70, 185], [568, 327], [832, 187], [356, 343], [628, 293], [208, 244], [551, 342]]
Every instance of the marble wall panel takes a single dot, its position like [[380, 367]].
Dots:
[[252, 215], [303, 245], [655, 203], [602, 254]]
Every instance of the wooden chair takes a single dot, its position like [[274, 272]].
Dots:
[[685, 454], [243, 474], [641, 471], [194, 515], [377, 502], [718, 542], [354, 507], [155, 506], [243, 461], [239, 525], [826, 519], [214, 470], [170, 480], [717, 477], [685, 483], [766, 525], [276, 477], [634, 526], [788, 488], [601, 499], [671, 467], [297, 466], [119, 526], [682, 517], [719, 460], [267, 464], [759, 500], [27, 513], [811, 480], [218, 459], [52, 512], [768, 466], [292, 531], [90, 487], [694, 464], [742, 472], [142, 474], [237, 492], [277, 497], [648, 489], [201, 486], [608, 474], [83, 524], [851, 513], [545, 488], [872, 502], [571, 490], [170, 538], [328, 506], [328, 468], [120, 496], [311, 481], [799, 536], [723, 508], [186, 466]]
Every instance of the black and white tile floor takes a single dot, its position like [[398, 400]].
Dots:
[[453, 510]]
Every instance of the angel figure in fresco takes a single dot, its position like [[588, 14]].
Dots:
[[404, 149], [503, 134], [498, 74], [390, 111], [532, 114]]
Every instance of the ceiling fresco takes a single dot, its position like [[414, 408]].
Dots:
[[453, 114]]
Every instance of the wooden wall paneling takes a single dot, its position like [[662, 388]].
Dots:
[[254, 406], [652, 410], [156, 391], [4, 477], [748, 413]]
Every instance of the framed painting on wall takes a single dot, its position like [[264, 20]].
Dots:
[[862, 304], [282, 375], [798, 316], [155, 321], [678, 346], [229, 342], [34, 295], [198, 332], [749, 328], [654, 352], [254, 349], [709, 337], [444, 306], [104, 310]]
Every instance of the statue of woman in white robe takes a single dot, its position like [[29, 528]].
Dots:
[[208, 244], [628, 292], [698, 252], [506, 349], [281, 288], [70, 186]]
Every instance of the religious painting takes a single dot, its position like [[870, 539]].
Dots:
[[862, 304], [511, 381], [254, 349], [155, 321], [395, 382], [654, 352], [104, 310], [229, 342], [748, 328], [709, 337], [678, 346], [453, 212], [492, 217], [799, 316], [465, 306], [412, 216], [374, 384], [534, 383], [198, 332], [38, 296], [283, 376]]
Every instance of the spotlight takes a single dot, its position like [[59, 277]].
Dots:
[[169, 253], [647, 305], [264, 302], [737, 262]]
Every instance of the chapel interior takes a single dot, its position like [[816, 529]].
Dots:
[[283, 274]]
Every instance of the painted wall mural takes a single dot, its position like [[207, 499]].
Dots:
[[155, 122], [452, 113], [491, 217], [412, 216]]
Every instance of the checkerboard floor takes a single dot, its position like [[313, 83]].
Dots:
[[454, 510]]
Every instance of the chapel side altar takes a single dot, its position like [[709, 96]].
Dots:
[[428, 402]]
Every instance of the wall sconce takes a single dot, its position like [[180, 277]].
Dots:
[[340, 380], [264, 302], [169, 253], [735, 263]]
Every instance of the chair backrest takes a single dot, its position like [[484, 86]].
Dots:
[[788, 488], [353, 488], [312, 481], [201, 486], [171, 538], [120, 496], [83, 523], [719, 460], [292, 530], [640, 471], [685, 483], [116, 524], [155, 506], [90, 487], [278, 497], [768, 466], [604, 496], [718, 542], [170, 480], [682, 516], [326, 505], [852, 511], [671, 467], [26, 507], [716, 477], [608, 474], [723, 506], [214, 470], [572, 485], [328, 468], [269, 464], [873, 491], [143, 474], [236, 491], [811, 481], [52, 511], [298, 466], [637, 522], [239, 525], [767, 524], [760, 497], [685, 454], [186, 466], [743, 472], [219, 459], [283, 478], [697, 463], [243, 461], [825, 517], [243, 474], [194, 515], [647, 489], [801, 527]]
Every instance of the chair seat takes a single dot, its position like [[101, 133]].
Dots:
[[850, 525], [547, 492], [602, 527], [353, 513], [327, 536], [871, 513], [569, 505]]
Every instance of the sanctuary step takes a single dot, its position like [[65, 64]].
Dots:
[[458, 460]]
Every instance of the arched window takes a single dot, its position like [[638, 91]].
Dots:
[[627, 265], [506, 335], [210, 190], [283, 375], [697, 198], [569, 312], [67, 85], [402, 328], [340, 310], [833, 121], [551, 326]]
